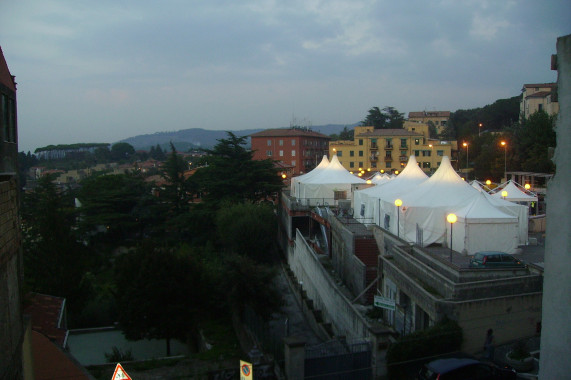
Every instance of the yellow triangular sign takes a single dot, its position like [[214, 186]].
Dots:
[[120, 373]]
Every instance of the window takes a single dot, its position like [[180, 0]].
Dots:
[[443, 123], [425, 153], [269, 142], [426, 165], [360, 141], [351, 164], [388, 154], [373, 143], [416, 141], [281, 142], [403, 153], [389, 143], [8, 121], [360, 153], [268, 153], [293, 153], [340, 153], [360, 164], [351, 153], [293, 163], [403, 143], [540, 107], [388, 165], [373, 164], [292, 142], [417, 153], [440, 153], [281, 153]]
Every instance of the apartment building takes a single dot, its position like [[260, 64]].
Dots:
[[388, 150], [303, 149], [539, 97], [438, 118]]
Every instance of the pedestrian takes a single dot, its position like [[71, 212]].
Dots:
[[489, 345]]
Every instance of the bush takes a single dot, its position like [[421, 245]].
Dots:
[[444, 337], [117, 355]]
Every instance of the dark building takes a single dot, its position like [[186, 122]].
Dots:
[[11, 280]]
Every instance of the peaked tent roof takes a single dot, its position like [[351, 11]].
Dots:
[[481, 210], [514, 194], [411, 176], [295, 180], [333, 173], [444, 188]]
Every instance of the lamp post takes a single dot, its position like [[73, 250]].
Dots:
[[479, 129], [398, 203], [505, 145], [451, 218], [465, 144]]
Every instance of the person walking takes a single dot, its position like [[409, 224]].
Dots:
[[489, 345]]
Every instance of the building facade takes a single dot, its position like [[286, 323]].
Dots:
[[11, 263], [539, 97], [303, 149], [388, 150], [438, 118]]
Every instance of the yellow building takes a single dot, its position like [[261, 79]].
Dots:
[[389, 149], [438, 118], [539, 97]]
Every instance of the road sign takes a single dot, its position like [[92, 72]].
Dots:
[[246, 371], [120, 373], [385, 303]]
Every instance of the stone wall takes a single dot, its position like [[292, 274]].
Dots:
[[11, 322]]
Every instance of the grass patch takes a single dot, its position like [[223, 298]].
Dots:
[[219, 334]]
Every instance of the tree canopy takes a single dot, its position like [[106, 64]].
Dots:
[[387, 118], [231, 173]]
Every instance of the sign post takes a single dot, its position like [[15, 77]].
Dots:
[[120, 374], [246, 370], [385, 303]]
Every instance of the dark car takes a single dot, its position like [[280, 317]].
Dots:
[[493, 259], [463, 369]]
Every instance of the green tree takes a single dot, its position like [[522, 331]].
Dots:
[[387, 118], [158, 293], [122, 151], [233, 175], [533, 139], [54, 260], [119, 204], [248, 229]]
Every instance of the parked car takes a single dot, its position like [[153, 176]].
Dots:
[[464, 369], [493, 259]]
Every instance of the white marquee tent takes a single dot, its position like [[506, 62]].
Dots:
[[483, 227], [375, 203], [320, 188], [295, 180], [514, 194]]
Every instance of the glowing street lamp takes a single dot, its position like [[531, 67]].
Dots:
[[479, 129], [451, 218], [488, 182], [465, 144], [398, 203], [527, 186], [505, 145], [504, 194]]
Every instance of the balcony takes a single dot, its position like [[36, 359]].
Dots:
[[403, 158], [374, 146], [388, 159], [405, 146], [388, 147], [374, 157]]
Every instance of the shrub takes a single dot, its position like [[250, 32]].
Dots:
[[117, 355]]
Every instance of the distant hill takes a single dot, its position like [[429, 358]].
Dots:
[[193, 138]]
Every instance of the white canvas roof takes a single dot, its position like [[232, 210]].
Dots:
[[514, 194], [321, 187], [295, 180]]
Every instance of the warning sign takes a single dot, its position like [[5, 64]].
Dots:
[[120, 373], [246, 370]]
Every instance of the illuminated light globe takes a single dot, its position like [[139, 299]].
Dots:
[[451, 218]]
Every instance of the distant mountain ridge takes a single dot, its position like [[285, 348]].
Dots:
[[193, 138]]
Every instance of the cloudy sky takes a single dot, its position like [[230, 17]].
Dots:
[[101, 71]]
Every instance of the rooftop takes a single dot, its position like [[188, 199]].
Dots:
[[389, 132], [289, 132]]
